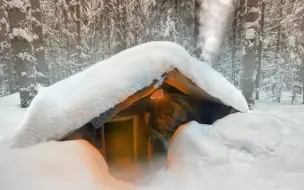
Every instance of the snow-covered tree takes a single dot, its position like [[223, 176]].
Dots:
[[77, 33]]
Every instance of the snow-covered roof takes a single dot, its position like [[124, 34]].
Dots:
[[70, 103]]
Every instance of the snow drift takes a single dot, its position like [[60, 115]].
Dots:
[[56, 165], [69, 104], [240, 151]]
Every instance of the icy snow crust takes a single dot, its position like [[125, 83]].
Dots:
[[69, 104]]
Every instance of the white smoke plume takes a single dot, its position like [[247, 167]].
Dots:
[[213, 18]]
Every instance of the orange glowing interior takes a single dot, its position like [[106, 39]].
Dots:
[[158, 94]]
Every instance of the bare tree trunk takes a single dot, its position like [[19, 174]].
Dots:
[[66, 25], [22, 55], [78, 39], [249, 59], [106, 18], [38, 44], [93, 41], [66, 11], [5, 48], [121, 25], [139, 17], [196, 27], [278, 45], [260, 50], [124, 25], [234, 45], [278, 85], [107, 25], [302, 74], [60, 27]]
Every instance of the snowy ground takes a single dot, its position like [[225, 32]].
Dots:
[[259, 151], [10, 116]]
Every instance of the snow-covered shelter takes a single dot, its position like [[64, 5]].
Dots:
[[121, 104]]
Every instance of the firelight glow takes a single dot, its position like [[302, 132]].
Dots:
[[158, 94]]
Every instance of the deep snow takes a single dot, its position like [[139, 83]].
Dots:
[[258, 151], [263, 150], [66, 165], [71, 103]]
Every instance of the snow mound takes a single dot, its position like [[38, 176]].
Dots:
[[260, 135], [69, 104], [241, 151], [56, 165]]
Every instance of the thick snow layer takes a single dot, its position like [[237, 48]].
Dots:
[[69, 104], [20, 4], [263, 150], [56, 165]]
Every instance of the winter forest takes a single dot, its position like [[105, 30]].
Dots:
[[261, 49]]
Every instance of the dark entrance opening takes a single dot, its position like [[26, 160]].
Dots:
[[119, 143]]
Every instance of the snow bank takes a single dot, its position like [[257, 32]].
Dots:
[[241, 151], [69, 104], [56, 165]]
